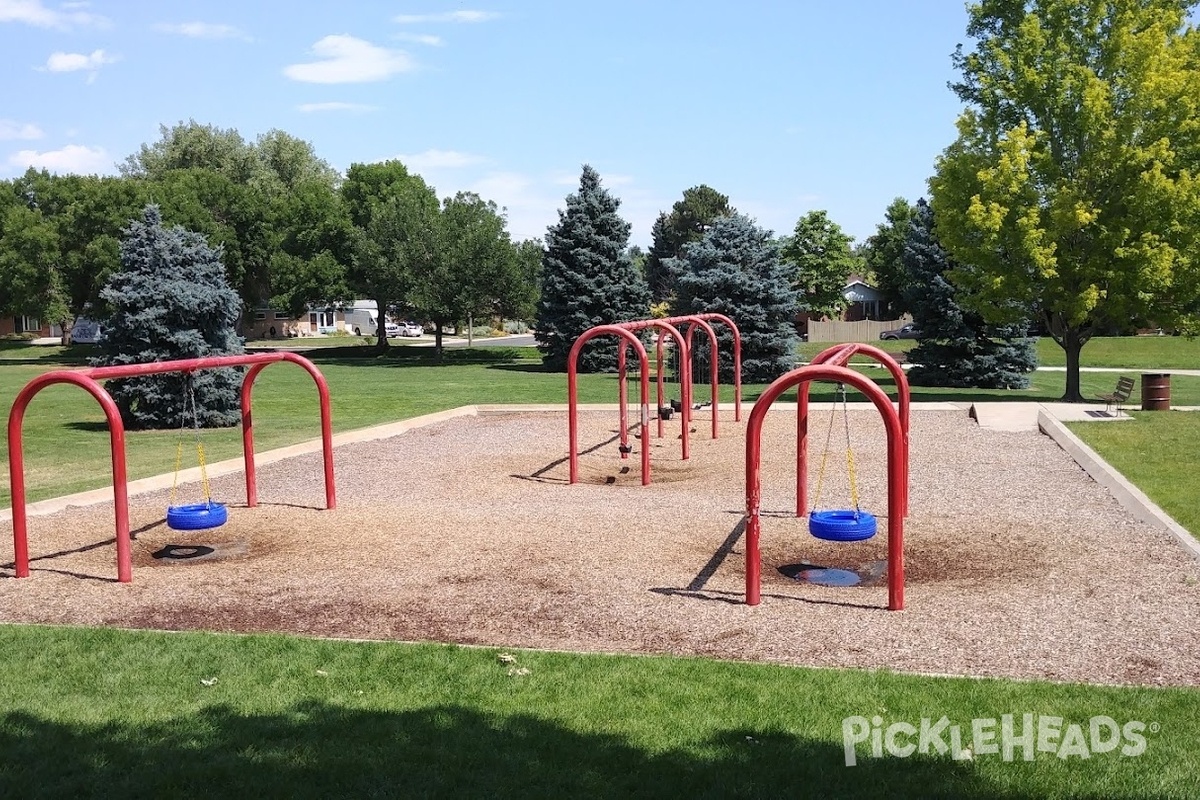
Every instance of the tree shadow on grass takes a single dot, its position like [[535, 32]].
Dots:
[[319, 749]]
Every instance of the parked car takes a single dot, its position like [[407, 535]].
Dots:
[[909, 331], [411, 329], [392, 330]]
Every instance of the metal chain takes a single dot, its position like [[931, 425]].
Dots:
[[825, 455], [850, 453], [189, 400]]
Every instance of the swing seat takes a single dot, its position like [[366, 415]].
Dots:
[[842, 525], [197, 516]]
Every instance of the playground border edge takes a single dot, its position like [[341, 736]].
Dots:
[[1129, 496]]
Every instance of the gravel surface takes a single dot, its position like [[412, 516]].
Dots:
[[1019, 565]]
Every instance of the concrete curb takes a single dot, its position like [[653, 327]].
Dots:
[[1129, 496]]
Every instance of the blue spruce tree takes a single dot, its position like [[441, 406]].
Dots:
[[588, 278], [957, 348], [735, 269], [169, 301]]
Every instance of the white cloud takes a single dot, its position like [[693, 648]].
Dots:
[[32, 12], [452, 16], [203, 30], [10, 129], [73, 62], [439, 159], [346, 59], [73, 158], [309, 108], [420, 38]]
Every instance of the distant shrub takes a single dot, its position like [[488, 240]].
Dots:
[[515, 326]]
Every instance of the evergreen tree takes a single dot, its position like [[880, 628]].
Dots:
[[588, 278], [958, 348], [736, 270], [170, 300], [687, 222]]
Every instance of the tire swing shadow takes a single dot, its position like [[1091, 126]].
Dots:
[[696, 590]]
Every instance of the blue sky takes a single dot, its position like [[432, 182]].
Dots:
[[787, 106]]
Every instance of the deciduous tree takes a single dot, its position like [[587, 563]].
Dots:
[[1074, 184], [820, 259], [883, 255], [396, 227]]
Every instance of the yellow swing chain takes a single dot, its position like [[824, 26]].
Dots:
[[189, 399], [850, 453], [853, 476], [825, 455]]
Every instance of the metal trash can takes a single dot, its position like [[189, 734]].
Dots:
[[1156, 391]]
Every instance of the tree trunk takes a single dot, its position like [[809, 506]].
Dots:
[[381, 342], [1072, 342], [437, 339]]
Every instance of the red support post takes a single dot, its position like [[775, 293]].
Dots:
[[897, 473], [623, 399], [88, 379]]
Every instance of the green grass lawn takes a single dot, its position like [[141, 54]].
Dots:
[[95, 712], [1160, 453]]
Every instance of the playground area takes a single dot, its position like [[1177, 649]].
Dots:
[[1018, 564]]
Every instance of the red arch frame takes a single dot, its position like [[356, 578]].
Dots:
[[88, 379], [897, 472], [573, 397], [840, 355]]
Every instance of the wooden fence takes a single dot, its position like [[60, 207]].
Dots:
[[862, 331]]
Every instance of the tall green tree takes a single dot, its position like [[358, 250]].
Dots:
[[169, 301], [820, 258], [474, 260], [1073, 185], [191, 145], [687, 222], [735, 269], [232, 215], [30, 282], [883, 255], [396, 233], [519, 297], [958, 347], [588, 278], [314, 237]]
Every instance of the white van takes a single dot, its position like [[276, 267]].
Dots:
[[365, 322], [86, 331], [362, 321]]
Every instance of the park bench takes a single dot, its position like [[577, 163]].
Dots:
[[1119, 395]]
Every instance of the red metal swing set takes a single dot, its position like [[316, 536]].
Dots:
[[829, 365], [625, 332], [89, 380]]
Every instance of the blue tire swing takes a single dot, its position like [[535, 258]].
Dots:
[[843, 524], [193, 516]]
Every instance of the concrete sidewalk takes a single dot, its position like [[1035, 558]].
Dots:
[[1024, 416]]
